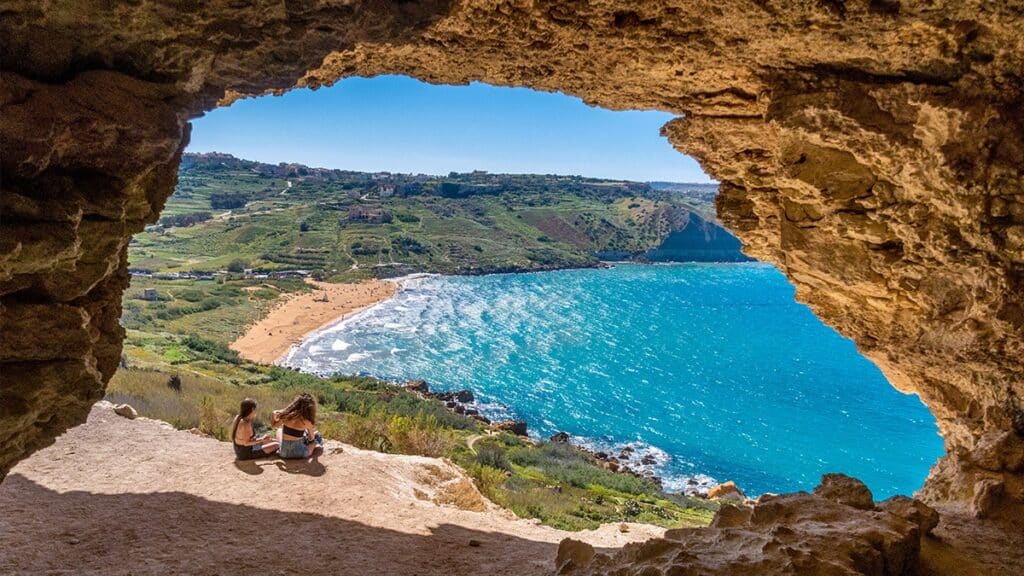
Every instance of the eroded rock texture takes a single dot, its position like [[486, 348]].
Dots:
[[872, 149], [797, 534]]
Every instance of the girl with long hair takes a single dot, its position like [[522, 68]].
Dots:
[[247, 444], [299, 438]]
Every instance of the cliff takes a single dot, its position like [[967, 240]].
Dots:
[[698, 241]]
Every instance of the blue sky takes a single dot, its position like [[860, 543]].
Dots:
[[397, 124]]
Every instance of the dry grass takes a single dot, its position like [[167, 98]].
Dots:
[[420, 434], [205, 403]]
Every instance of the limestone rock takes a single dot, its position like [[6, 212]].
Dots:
[[872, 150], [126, 411], [517, 427], [418, 386], [845, 490], [730, 517], [726, 491], [794, 534], [572, 554], [914, 511]]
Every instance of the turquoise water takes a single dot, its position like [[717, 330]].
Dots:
[[712, 369]]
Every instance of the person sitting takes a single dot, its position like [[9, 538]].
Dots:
[[299, 438], [247, 444]]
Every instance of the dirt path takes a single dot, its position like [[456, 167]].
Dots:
[[116, 496], [269, 339]]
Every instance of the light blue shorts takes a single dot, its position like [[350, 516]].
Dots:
[[293, 449]]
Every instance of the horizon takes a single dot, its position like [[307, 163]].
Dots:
[[401, 125], [393, 172]]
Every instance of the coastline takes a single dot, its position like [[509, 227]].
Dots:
[[270, 339], [632, 458]]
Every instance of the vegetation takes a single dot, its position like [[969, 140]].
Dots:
[[357, 225], [178, 365]]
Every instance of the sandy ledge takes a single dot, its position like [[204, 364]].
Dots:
[[161, 501], [267, 341]]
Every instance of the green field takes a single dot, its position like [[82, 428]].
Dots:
[[344, 225]]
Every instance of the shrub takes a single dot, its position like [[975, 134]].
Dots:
[[421, 435], [227, 200], [184, 220], [265, 294], [304, 226], [238, 265], [488, 479], [366, 432], [211, 349], [190, 294], [211, 420], [493, 456], [408, 245], [174, 383], [566, 464]]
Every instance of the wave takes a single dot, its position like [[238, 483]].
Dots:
[[706, 371]]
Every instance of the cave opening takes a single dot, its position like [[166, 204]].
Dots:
[[359, 181], [871, 153]]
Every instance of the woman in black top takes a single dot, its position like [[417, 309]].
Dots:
[[247, 444], [299, 438]]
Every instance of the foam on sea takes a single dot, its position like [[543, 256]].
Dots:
[[565, 351], [649, 460]]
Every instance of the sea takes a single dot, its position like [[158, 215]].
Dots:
[[698, 373]]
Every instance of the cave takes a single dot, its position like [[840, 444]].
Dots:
[[872, 150]]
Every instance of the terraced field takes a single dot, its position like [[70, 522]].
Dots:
[[344, 225]]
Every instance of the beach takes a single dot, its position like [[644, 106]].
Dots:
[[268, 340]]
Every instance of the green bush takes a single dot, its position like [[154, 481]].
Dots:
[[421, 435], [366, 432], [190, 294], [211, 349], [493, 456], [565, 463], [265, 294], [488, 479]]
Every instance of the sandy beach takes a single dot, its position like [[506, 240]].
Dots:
[[268, 340]]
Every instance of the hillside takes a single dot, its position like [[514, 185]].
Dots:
[[343, 225]]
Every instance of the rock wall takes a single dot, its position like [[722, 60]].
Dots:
[[870, 148], [836, 530]]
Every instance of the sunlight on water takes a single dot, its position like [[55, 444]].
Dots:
[[712, 370]]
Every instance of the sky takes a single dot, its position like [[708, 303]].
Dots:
[[398, 124]]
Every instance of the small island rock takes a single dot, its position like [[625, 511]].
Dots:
[[561, 437]]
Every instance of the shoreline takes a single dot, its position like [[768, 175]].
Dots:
[[270, 339], [627, 457]]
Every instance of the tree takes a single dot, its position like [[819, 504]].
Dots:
[[238, 265]]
